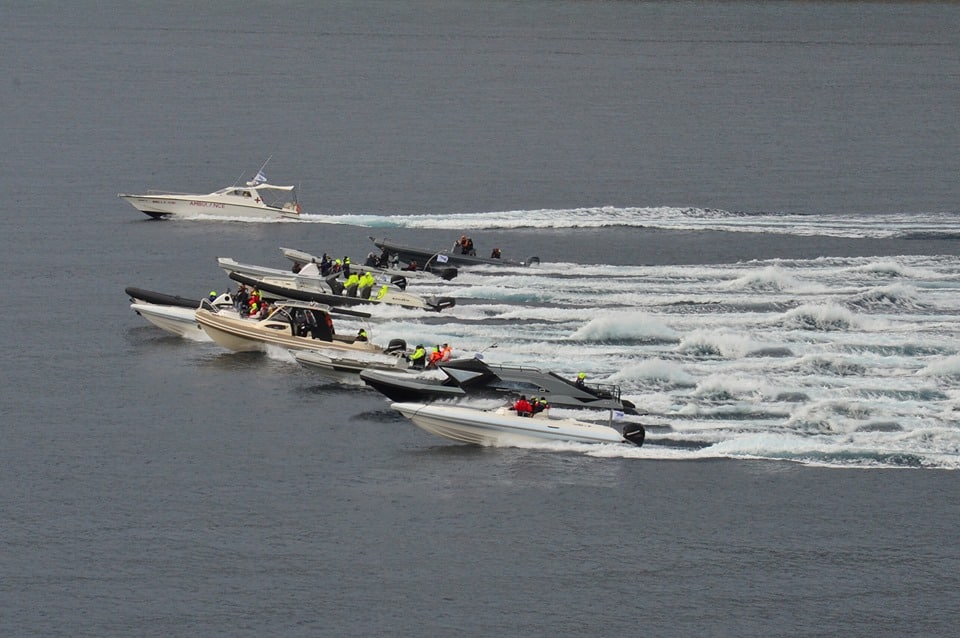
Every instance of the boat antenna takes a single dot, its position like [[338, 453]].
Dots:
[[265, 164]]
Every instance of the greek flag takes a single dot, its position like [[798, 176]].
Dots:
[[260, 178]]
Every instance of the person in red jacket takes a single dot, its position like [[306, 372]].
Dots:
[[523, 407]]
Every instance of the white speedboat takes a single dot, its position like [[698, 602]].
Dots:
[[502, 427], [294, 325], [345, 367], [176, 314], [475, 378], [254, 200]]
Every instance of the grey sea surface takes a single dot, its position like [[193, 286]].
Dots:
[[150, 485]]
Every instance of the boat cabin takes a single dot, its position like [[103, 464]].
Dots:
[[305, 319], [263, 195]]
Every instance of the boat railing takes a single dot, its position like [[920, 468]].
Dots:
[[605, 390], [156, 192]]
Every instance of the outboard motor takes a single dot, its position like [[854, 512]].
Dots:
[[399, 281], [395, 345], [635, 433], [439, 303]]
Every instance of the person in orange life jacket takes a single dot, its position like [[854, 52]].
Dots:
[[435, 357], [412, 265], [523, 407], [446, 353]]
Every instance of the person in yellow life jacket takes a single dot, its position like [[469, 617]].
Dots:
[[361, 335], [539, 404], [346, 266], [366, 284], [351, 286], [581, 379], [419, 357]]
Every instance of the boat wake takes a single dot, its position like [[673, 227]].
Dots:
[[846, 362], [933, 225]]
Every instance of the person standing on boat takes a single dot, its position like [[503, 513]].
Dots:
[[353, 281], [346, 266], [307, 323], [240, 301], [495, 254], [325, 265], [255, 303], [523, 407], [365, 285]]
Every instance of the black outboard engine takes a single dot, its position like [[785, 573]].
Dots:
[[395, 345], [635, 433], [399, 281]]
